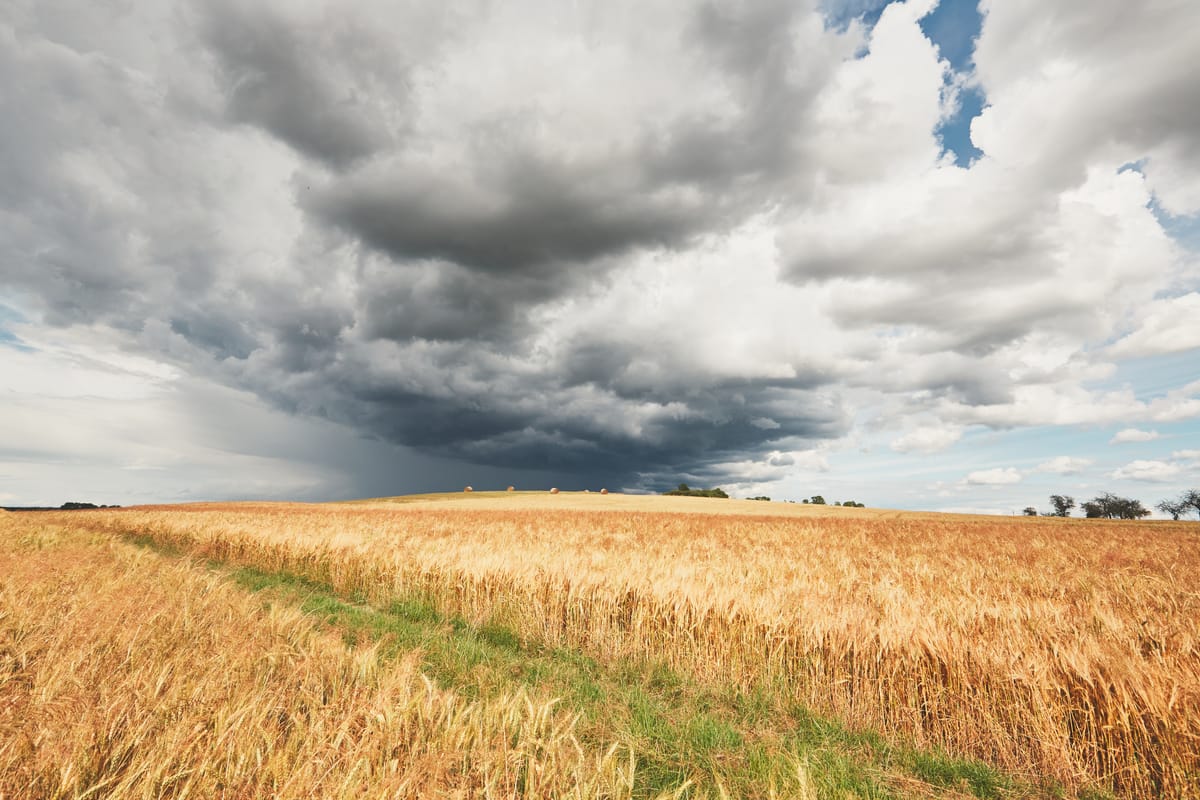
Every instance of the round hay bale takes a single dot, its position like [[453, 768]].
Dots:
[[468, 489], [511, 489], [604, 491], [554, 490]]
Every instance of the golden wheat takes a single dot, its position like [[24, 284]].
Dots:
[[1067, 649], [126, 676]]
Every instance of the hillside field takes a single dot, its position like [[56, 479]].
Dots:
[[582, 645]]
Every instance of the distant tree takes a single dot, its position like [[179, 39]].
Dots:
[[1131, 509], [1062, 505], [762, 497], [852, 504], [1187, 502], [805, 501], [683, 487], [1030, 511], [77, 506], [1173, 507], [1191, 498], [818, 500], [1109, 506]]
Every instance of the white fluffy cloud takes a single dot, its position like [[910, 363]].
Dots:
[[930, 439], [1169, 325], [1151, 471], [1059, 403], [1129, 435], [993, 477], [1064, 465]]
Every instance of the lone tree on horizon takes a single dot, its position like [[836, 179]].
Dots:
[[1192, 498], [1063, 503]]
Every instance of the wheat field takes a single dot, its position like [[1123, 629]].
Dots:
[[1056, 650], [124, 676]]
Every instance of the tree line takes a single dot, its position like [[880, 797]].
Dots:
[[683, 490], [1111, 506], [818, 500]]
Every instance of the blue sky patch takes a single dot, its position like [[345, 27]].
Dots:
[[10, 339], [1152, 376], [8, 316], [840, 13], [955, 132], [1183, 229], [953, 26]]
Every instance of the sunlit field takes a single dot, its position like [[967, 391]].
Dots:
[[953, 654], [124, 675]]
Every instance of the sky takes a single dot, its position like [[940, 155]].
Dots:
[[921, 255]]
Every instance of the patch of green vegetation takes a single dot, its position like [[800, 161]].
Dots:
[[755, 707], [648, 718], [147, 542], [940, 769], [705, 732], [501, 637]]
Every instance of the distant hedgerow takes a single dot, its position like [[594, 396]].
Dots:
[[684, 491]]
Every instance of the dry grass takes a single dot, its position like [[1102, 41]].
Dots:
[[1062, 649], [125, 675]]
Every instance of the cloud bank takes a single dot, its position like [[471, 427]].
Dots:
[[624, 241]]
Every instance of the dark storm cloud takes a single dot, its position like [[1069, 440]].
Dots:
[[296, 80], [307, 338], [479, 239], [57, 240], [754, 47], [536, 422], [407, 306], [767, 59], [511, 213], [511, 205], [638, 371], [222, 335], [439, 300]]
